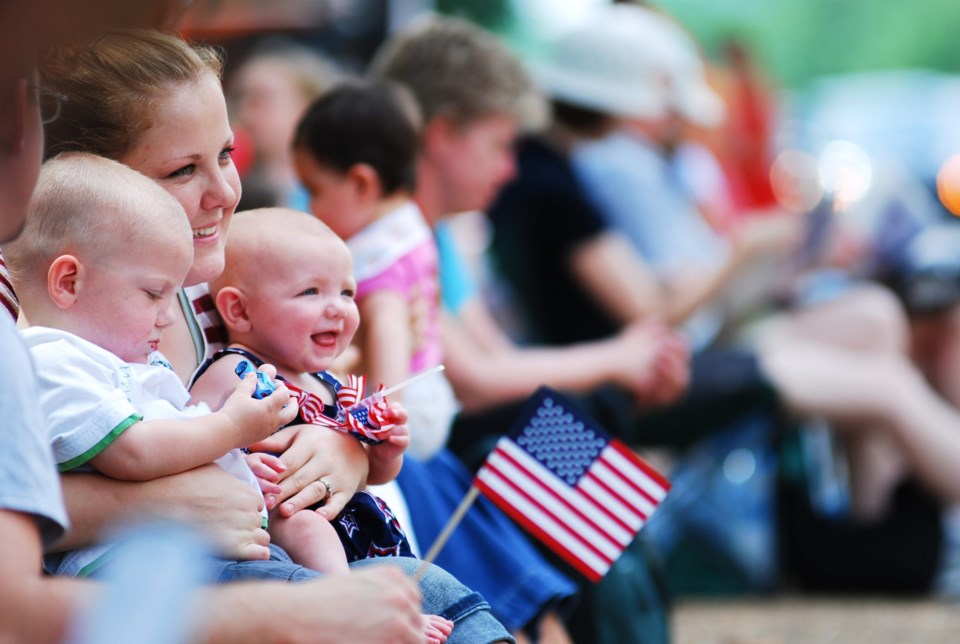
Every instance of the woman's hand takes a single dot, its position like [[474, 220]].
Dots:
[[311, 453], [223, 506]]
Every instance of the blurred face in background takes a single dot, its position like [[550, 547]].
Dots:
[[266, 103], [21, 138], [471, 162]]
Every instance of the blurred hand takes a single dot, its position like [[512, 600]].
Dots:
[[376, 605], [759, 236], [652, 363]]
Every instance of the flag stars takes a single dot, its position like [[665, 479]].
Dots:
[[561, 441]]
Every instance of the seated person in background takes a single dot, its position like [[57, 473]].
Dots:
[[267, 94], [356, 152], [468, 155], [474, 95], [825, 360]]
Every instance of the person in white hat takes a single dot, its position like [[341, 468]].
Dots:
[[611, 233]]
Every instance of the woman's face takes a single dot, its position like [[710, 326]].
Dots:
[[187, 152]]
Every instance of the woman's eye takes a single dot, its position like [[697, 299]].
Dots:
[[185, 171], [226, 153]]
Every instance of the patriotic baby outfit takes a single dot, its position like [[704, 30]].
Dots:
[[367, 527]]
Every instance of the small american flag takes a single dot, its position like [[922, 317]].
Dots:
[[564, 479]]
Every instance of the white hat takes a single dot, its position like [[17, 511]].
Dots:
[[629, 61]]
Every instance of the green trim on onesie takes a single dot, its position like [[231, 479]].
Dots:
[[104, 442], [96, 564]]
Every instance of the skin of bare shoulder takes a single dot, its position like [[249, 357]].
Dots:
[[217, 382]]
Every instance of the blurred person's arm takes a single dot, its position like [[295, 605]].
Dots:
[[686, 290], [483, 377], [609, 268], [323, 611], [35, 608], [616, 276], [42, 609]]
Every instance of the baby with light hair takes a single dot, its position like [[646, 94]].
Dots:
[[98, 265]]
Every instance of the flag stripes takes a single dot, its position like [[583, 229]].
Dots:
[[583, 494]]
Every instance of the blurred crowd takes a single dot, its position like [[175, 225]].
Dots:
[[772, 320], [664, 186]]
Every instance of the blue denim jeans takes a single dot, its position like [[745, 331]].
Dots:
[[442, 594]]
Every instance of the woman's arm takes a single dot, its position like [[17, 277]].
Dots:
[[308, 453], [223, 506]]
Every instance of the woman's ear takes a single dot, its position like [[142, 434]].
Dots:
[[65, 280], [231, 303]]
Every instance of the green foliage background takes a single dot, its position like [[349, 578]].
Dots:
[[801, 39], [796, 40]]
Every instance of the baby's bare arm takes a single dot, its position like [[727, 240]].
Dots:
[[160, 447]]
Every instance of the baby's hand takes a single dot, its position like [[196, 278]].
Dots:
[[255, 419], [267, 468], [397, 439]]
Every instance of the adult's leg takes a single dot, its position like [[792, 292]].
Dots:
[[829, 361]]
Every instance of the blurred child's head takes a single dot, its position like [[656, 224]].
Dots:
[[103, 254], [287, 290], [474, 94], [270, 90], [355, 146]]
